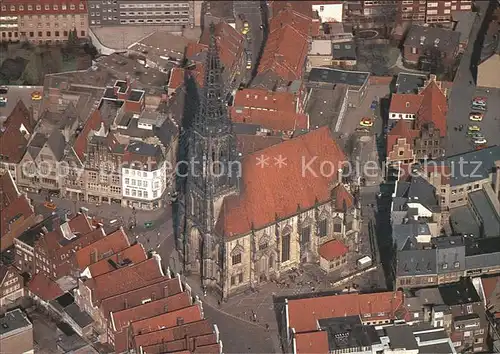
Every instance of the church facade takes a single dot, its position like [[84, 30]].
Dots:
[[250, 221]]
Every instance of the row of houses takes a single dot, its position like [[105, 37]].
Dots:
[[107, 289], [449, 318]]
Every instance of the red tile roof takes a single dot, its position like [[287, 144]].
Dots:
[[162, 287], [230, 43], [491, 289], [17, 209], [124, 279], [167, 320], [248, 144], [430, 105], [285, 53], [15, 134], [302, 7], [94, 123], [194, 48], [275, 121], [199, 344], [170, 334], [264, 99], [135, 254], [304, 313], [45, 288], [343, 199], [312, 343], [295, 17], [332, 249], [122, 319], [405, 103], [106, 246], [402, 129], [277, 191], [8, 190], [434, 107], [177, 76]]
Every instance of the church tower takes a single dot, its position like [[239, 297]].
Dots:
[[213, 174]]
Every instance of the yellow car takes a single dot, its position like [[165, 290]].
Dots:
[[476, 117], [246, 25], [245, 31], [473, 129], [36, 96], [366, 122], [50, 205], [249, 65]]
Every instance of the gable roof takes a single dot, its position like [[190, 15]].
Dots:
[[19, 208], [285, 53], [402, 129], [131, 255], [8, 190], [94, 123], [44, 287], [343, 199], [311, 342], [265, 99], [332, 249], [268, 194], [124, 279], [162, 287], [122, 319], [57, 143], [15, 133], [106, 246], [433, 108], [167, 320], [304, 313], [178, 76], [406, 103], [276, 121], [248, 144]]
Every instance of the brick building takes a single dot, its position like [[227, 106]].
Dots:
[[43, 21], [11, 285], [430, 11], [456, 307]]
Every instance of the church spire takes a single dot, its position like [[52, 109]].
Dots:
[[212, 117]]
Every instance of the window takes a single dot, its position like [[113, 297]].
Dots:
[[401, 152], [236, 259], [155, 194], [305, 234], [139, 194], [48, 33], [240, 278], [82, 33], [72, 6], [323, 228], [47, 7], [55, 7], [285, 248], [145, 184], [145, 194], [38, 7], [321, 8], [337, 227], [469, 309], [233, 280], [30, 7]]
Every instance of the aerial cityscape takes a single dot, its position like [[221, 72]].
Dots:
[[303, 177]]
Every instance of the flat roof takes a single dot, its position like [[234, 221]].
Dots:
[[336, 76], [463, 222], [12, 321], [490, 221], [409, 82]]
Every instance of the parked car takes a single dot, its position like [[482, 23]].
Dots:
[[480, 141], [473, 129], [476, 116], [366, 122], [3, 101]]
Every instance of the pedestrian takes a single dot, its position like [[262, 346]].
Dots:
[[267, 327]]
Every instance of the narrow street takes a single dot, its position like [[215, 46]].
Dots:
[[250, 11]]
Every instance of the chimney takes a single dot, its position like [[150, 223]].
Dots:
[[153, 296], [119, 258], [497, 178], [93, 256], [125, 303], [339, 176], [165, 291], [127, 80]]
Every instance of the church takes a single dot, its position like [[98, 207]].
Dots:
[[249, 220]]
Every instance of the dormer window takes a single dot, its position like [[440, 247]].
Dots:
[[457, 264], [445, 266]]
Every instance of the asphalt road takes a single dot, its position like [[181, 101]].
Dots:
[[462, 91], [251, 12]]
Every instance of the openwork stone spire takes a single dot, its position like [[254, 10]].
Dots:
[[212, 117]]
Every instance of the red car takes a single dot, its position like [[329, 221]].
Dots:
[[481, 146]]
